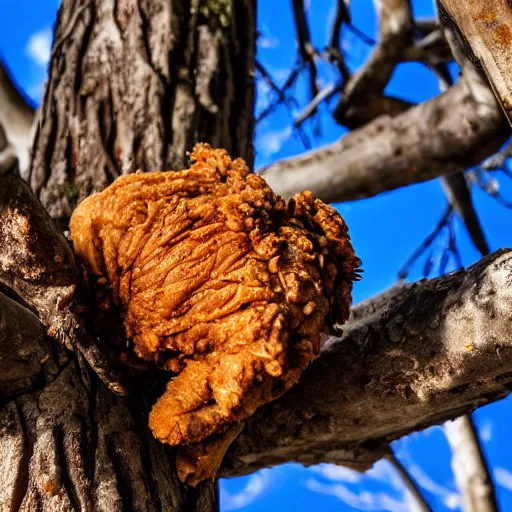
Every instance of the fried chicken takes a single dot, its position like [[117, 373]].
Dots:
[[221, 282]]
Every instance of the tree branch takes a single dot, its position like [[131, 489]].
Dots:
[[27, 358], [17, 116], [425, 353], [469, 466], [410, 484], [396, 31], [447, 134], [485, 29], [306, 49]]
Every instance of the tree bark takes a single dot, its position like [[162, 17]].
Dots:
[[469, 466], [418, 355], [444, 135], [133, 84], [485, 29]]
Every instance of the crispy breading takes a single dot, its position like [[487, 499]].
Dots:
[[220, 281]]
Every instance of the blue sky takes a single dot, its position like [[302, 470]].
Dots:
[[385, 230]]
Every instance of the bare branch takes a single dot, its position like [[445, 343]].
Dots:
[[497, 161], [333, 50], [396, 32], [410, 484], [441, 224], [459, 195], [447, 134], [311, 107], [17, 117], [486, 30], [342, 16], [432, 351], [373, 107], [469, 466], [306, 50]]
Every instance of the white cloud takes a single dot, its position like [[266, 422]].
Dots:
[[337, 473], [394, 497], [364, 500], [486, 432], [503, 477], [270, 142], [254, 489], [39, 46], [383, 471], [36, 91], [450, 498], [269, 42]]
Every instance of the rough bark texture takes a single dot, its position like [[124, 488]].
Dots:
[[416, 355], [419, 355], [485, 27], [65, 447], [133, 84], [447, 134], [68, 443]]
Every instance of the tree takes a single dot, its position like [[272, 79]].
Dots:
[[134, 85]]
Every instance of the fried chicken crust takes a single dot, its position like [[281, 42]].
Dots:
[[220, 281]]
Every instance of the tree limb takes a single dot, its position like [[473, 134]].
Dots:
[[410, 484], [459, 195], [306, 49], [396, 31], [447, 134], [469, 466], [27, 358], [17, 116], [485, 28], [427, 352]]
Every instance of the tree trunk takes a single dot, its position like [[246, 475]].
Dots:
[[133, 85]]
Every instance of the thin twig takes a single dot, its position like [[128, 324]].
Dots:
[[281, 92], [498, 160], [490, 187], [410, 484], [443, 221], [361, 35], [333, 50], [306, 49], [311, 107]]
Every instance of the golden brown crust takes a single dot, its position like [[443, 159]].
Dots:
[[219, 280]]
